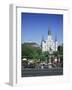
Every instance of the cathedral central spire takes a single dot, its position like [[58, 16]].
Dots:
[[49, 31]]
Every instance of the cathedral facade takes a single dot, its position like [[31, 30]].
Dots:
[[49, 45]]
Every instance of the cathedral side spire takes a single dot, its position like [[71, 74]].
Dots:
[[56, 44]]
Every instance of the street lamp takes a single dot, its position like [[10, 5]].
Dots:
[[50, 53]]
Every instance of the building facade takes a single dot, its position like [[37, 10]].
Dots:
[[49, 45]]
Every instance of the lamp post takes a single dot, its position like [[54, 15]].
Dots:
[[50, 53]]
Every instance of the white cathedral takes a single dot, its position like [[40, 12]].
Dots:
[[49, 45]]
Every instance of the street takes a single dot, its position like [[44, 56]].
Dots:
[[29, 72]]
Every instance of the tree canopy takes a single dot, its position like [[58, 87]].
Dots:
[[30, 52]]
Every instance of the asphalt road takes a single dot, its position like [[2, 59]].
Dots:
[[41, 72]]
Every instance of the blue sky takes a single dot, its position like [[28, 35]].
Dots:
[[35, 25]]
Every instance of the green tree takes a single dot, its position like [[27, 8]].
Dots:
[[30, 52], [44, 56], [60, 49]]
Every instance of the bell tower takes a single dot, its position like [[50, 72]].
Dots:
[[49, 31], [49, 34]]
